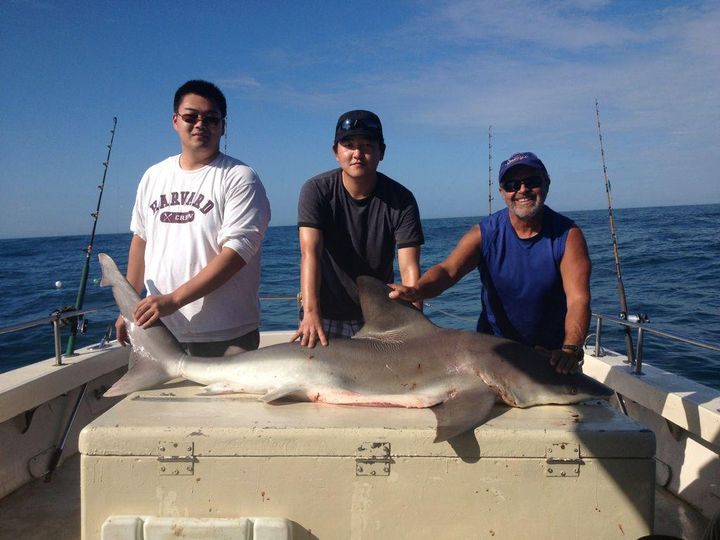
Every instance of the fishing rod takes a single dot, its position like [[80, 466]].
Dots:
[[70, 350], [490, 197], [616, 252]]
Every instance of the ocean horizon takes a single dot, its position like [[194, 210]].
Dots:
[[478, 217]]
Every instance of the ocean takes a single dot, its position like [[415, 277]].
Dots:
[[670, 260]]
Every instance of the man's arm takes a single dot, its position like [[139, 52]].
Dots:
[[575, 269], [409, 265], [135, 276], [310, 330], [444, 275], [220, 269]]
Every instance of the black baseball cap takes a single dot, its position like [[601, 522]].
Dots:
[[359, 123]]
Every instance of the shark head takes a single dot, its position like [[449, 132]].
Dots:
[[523, 377], [567, 389]]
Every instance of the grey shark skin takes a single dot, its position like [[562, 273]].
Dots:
[[398, 359]]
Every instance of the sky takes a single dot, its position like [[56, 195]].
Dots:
[[438, 74]]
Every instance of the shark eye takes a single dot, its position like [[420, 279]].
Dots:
[[573, 390]]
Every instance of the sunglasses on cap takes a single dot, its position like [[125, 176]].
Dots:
[[192, 118], [531, 182], [358, 123]]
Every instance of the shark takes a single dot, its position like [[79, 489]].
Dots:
[[399, 358]]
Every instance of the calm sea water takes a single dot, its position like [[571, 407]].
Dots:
[[670, 259]]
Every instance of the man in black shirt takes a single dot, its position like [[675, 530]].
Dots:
[[350, 220]]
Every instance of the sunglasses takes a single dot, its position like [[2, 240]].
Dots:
[[532, 182], [358, 123], [192, 118]]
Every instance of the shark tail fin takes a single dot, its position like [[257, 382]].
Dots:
[[110, 272], [142, 374]]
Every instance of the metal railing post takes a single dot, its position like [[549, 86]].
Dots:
[[639, 354], [58, 343], [598, 336]]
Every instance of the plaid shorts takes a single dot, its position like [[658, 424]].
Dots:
[[339, 329]]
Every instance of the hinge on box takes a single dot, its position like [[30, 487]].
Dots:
[[373, 459], [176, 458], [562, 459]]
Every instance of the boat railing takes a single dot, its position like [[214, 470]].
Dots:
[[639, 322], [63, 317], [58, 319], [68, 316]]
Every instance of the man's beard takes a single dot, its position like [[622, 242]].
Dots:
[[527, 212]]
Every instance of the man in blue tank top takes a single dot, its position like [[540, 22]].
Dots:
[[533, 264]]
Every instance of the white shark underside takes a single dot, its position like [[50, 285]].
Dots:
[[398, 359]]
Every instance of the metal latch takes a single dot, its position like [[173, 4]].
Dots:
[[373, 459], [176, 458], [562, 459]]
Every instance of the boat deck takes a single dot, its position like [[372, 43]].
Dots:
[[41, 510]]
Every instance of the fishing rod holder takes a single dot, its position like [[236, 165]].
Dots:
[[638, 321], [59, 318], [633, 320]]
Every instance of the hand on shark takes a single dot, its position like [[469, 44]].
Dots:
[[310, 331], [403, 292], [147, 312], [565, 362], [121, 331], [151, 308]]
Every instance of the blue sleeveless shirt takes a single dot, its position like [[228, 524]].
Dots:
[[522, 296]]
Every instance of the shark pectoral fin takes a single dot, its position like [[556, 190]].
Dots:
[[282, 392], [462, 412]]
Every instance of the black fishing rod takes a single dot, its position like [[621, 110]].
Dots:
[[616, 252], [70, 350], [490, 197]]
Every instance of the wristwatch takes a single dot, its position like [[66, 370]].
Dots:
[[577, 350]]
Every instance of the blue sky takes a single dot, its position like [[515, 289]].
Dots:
[[437, 73]]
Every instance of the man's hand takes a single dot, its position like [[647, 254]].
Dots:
[[564, 361], [121, 331], [310, 331], [151, 308], [403, 292]]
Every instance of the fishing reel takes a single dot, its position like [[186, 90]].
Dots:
[[639, 318], [76, 323]]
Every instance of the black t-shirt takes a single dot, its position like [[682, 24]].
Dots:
[[359, 236]]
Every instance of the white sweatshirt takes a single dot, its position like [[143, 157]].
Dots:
[[186, 218]]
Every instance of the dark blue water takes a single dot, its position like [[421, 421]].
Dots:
[[670, 259]]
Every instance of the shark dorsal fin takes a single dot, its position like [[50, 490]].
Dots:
[[383, 316]]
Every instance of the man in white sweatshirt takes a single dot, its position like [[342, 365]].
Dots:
[[198, 224]]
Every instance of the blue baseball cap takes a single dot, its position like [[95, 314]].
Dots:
[[522, 158]]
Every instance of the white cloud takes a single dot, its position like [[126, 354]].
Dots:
[[568, 26], [660, 76], [241, 81]]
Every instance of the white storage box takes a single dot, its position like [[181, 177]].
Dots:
[[341, 472]]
